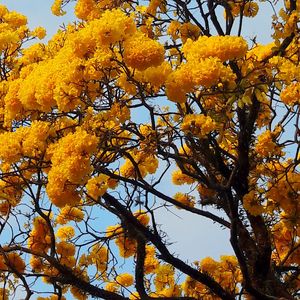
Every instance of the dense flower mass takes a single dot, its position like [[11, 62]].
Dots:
[[142, 52], [70, 167], [137, 114], [222, 47]]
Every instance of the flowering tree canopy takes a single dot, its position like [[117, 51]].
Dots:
[[133, 96]]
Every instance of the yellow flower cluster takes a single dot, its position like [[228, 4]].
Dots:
[[92, 9], [57, 8], [226, 272], [287, 70], [154, 5], [87, 9], [222, 47], [260, 52], [185, 199], [285, 191], [205, 192], [144, 164], [291, 94], [250, 8], [68, 66], [97, 186], [11, 192], [99, 256], [39, 239], [151, 262], [13, 29], [12, 261], [164, 277], [65, 232], [113, 26], [66, 251], [206, 72], [285, 23], [70, 166], [25, 141], [252, 204], [112, 287], [142, 217], [286, 249], [204, 66], [155, 76], [39, 32], [178, 178], [141, 52], [126, 243], [198, 125], [266, 145], [127, 246], [183, 31], [180, 82], [125, 279], [69, 213]]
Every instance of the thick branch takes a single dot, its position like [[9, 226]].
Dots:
[[165, 254]]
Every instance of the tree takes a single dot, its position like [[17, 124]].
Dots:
[[132, 96]]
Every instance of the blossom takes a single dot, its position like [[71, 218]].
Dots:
[[198, 125], [222, 47], [65, 232], [125, 279], [70, 162], [12, 261], [39, 32], [141, 52], [266, 145], [97, 186], [65, 249], [179, 178], [251, 204], [185, 199], [68, 213], [291, 94]]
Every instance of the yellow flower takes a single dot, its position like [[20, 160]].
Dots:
[[65, 249], [266, 145], [65, 233], [39, 32], [185, 199], [68, 213], [125, 279], [198, 124], [178, 178], [251, 204], [141, 52], [112, 287], [56, 8], [291, 94], [222, 47]]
